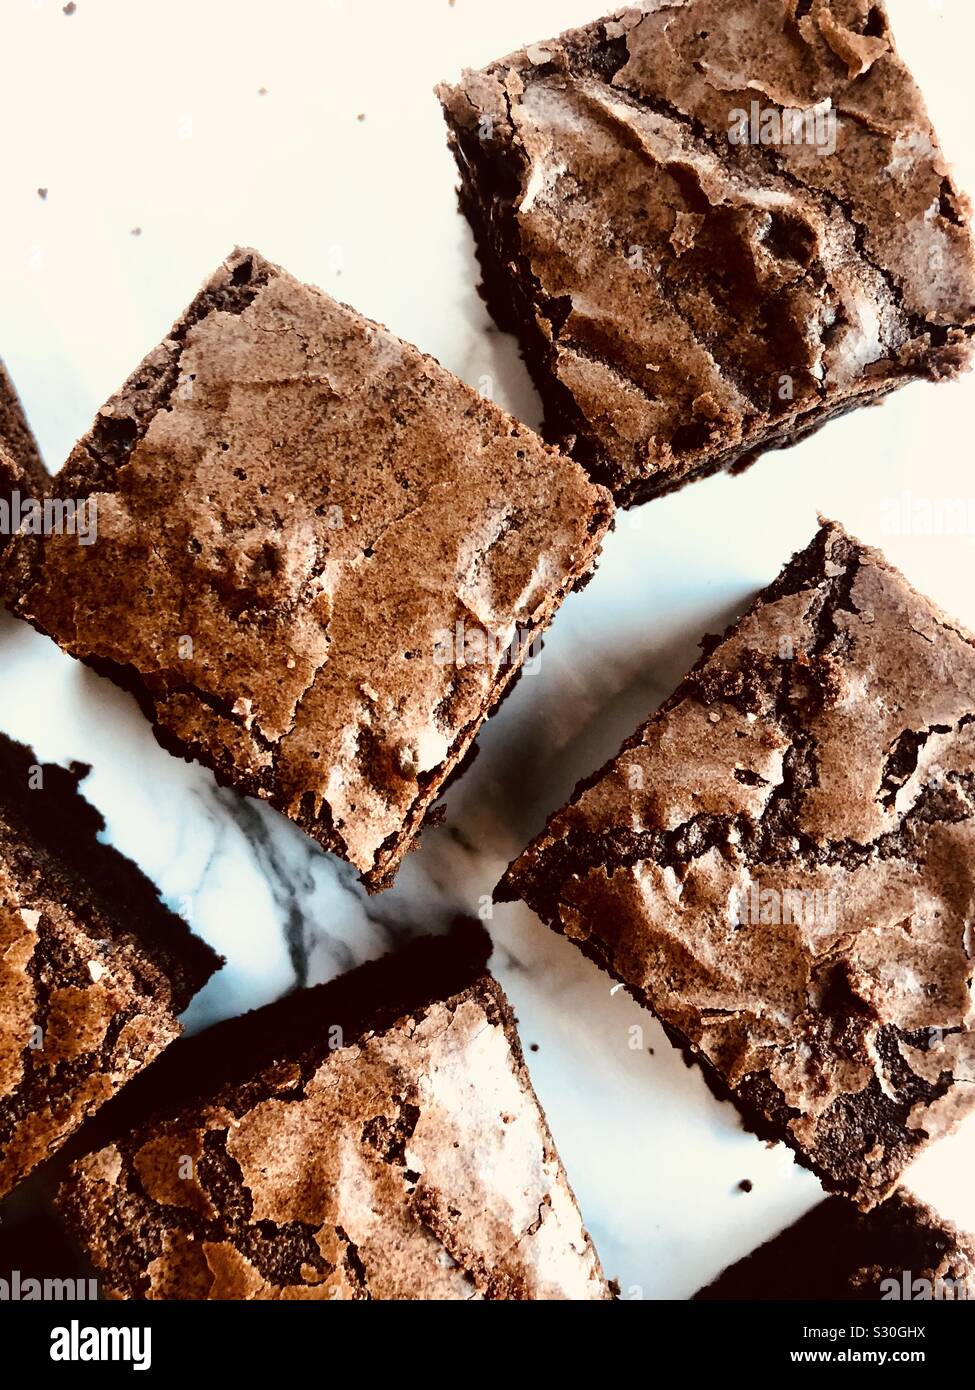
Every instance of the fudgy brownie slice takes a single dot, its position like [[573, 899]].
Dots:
[[714, 224], [899, 1251], [93, 968], [781, 864], [373, 1138], [321, 558]]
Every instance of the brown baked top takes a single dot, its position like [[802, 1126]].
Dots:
[[296, 513], [781, 864]]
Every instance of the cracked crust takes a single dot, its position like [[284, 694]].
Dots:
[[686, 303], [780, 864], [93, 968], [295, 509], [377, 1154], [838, 1253]]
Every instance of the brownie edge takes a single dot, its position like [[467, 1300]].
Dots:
[[94, 970], [348, 1150], [356, 555], [779, 864], [899, 1251], [687, 294]]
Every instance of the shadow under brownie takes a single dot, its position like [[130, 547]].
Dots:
[[781, 864], [714, 225], [377, 1137], [93, 968], [320, 558], [900, 1250]]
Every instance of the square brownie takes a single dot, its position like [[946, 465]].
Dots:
[[375, 1138], [781, 864], [93, 968], [901, 1250], [297, 515], [714, 225]]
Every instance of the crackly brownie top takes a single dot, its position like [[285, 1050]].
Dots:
[[781, 861], [93, 968], [838, 1252], [294, 510], [412, 1162], [692, 287]]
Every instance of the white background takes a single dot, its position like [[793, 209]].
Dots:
[[148, 114]]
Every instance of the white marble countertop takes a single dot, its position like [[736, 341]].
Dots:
[[150, 115]]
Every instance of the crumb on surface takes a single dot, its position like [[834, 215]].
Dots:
[[42, 194], [69, 8], [745, 1185]]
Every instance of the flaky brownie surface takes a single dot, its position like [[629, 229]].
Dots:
[[297, 515], [408, 1159], [93, 968], [690, 286], [780, 864], [899, 1251]]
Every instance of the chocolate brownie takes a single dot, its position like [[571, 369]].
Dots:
[[900, 1250], [780, 863], [93, 968], [714, 225], [22, 473], [303, 526], [16, 439], [373, 1138]]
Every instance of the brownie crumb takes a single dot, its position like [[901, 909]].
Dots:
[[745, 1185]]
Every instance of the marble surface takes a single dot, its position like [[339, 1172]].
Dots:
[[151, 116]]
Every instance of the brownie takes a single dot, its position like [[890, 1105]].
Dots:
[[377, 1137], [321, 558], [16, 439], [714, 225], [780, 863], [899, 1251], [22, 474], [93, 968]]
